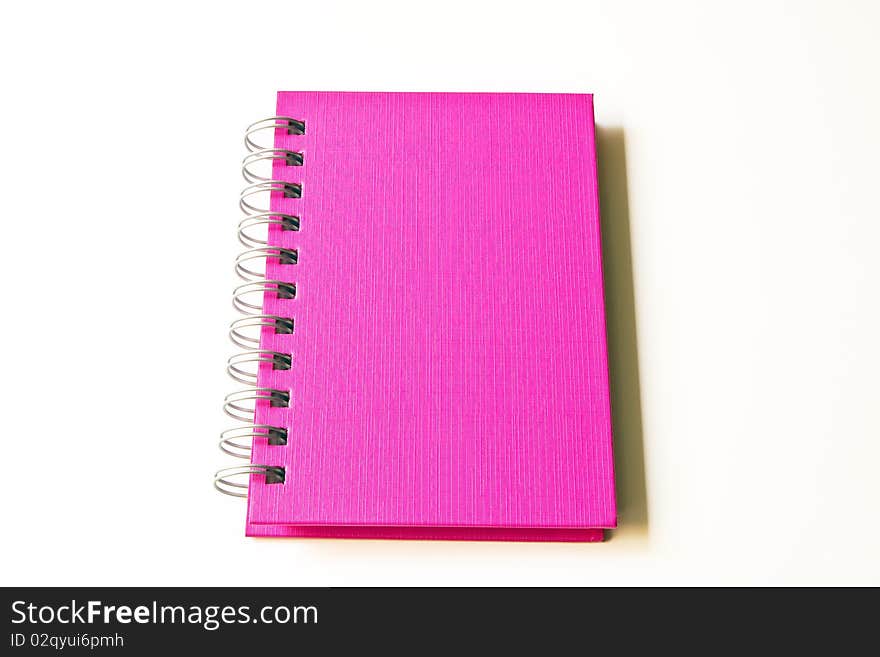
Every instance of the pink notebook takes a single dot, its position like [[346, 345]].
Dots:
[[427, 353]]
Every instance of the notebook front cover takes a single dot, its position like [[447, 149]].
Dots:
[[449, 352]]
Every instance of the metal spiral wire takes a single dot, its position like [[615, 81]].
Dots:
[[247, 225], [293, 127], [284, 256], [290, 158], [247, 298], [224, 482]]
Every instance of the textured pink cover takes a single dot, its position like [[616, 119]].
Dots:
[[449, 373]]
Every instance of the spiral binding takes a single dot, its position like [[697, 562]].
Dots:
[[290, 158], [286, 221], [247, 299]]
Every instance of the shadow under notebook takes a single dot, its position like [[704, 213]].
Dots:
[[626, 404]]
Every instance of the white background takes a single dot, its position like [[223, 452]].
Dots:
[[739, 152]]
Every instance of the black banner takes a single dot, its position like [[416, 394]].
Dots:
[[406, 621]]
